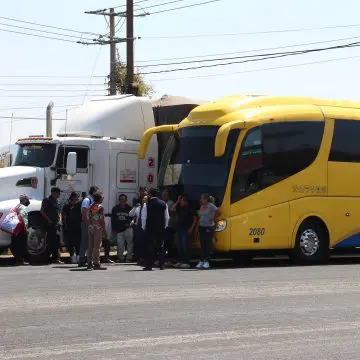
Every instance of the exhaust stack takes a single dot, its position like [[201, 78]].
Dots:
[[49, 119]]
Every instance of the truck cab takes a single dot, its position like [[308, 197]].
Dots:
[[97, 145]]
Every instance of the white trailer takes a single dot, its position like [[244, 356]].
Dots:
[[97, 145]]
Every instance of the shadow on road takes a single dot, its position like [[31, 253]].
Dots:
[[216, 264]]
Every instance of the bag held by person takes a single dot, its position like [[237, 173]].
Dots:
[[13, 223]]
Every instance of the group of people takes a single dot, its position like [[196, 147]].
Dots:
[[145, 231]]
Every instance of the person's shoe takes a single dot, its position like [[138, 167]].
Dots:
[[90, 267], [200, 265], [73, 259], [177, 265], [156, 263], [58, 262], [21, 263], [99, 267], [185, 266], [162, 267], [147, 268], [82, 264], [206, 265], [109, 261]]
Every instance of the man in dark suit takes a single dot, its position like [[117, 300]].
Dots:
[[157, 219]]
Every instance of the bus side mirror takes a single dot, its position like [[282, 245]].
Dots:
[[71, 163]]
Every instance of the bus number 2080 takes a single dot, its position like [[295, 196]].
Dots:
[[256, 231]]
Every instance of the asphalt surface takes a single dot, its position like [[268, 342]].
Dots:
[[267, 311]]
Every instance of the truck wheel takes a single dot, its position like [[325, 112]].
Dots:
[[312, 243], [38, 249]]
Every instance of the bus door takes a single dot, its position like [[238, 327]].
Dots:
[[259, 217]]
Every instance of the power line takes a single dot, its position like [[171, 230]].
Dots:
[[299, 52], [184, 7], [122, 6], [38, 36], [246, 51], [198, 36], [162, 4], [92, 72], [46, 96], [27, 118], [265, 57], [43, 31], [50, 76], [49, 26], [37, 107], [50, 90], [49, 84], [259, 70]]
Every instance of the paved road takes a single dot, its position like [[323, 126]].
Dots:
[[267, 311]]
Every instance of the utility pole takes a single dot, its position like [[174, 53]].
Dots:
[[112, 53], [113, 40], [130, 46]]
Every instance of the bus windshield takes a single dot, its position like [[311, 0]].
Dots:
[[189, 163], [37, 155]]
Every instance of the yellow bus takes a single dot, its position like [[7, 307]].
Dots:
[[285, 172]]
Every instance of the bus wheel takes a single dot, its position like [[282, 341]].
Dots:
[[312, 243]]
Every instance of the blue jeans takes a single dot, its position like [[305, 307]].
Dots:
[[206, 236], [183, 246]]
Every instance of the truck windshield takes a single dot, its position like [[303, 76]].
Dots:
[[37, 155], [190, 166]]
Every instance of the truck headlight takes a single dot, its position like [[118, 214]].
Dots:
[[220, 225]]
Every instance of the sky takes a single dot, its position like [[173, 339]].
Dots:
[[168, 35]]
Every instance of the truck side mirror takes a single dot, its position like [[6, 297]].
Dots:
[[71, 163]]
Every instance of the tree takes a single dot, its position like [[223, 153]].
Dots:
[[144, 89]]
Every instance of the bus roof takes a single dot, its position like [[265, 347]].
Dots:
[[229, 108]]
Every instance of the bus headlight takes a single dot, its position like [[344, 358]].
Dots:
[[220, 225]]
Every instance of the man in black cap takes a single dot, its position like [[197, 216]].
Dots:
[[50, 211]]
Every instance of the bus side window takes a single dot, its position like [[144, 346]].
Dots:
[[273, 153], [247, 173], [288, 148]]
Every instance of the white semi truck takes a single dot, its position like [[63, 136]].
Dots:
[[97, 145]]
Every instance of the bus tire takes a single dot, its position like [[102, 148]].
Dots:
[[312, 243]]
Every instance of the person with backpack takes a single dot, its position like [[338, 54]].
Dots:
[[97, 231], [88, 200], [19, 241]]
